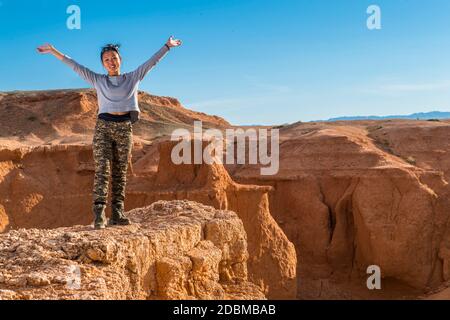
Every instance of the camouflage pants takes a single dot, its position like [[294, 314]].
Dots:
[[112, 144]]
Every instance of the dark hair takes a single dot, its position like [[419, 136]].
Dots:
[[110, 47]]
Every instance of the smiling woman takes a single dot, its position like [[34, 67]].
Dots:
[[111, 60], [118, 110]]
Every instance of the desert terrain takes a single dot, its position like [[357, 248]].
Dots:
[[347, 195]]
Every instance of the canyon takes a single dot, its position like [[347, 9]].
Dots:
[[347, 195]]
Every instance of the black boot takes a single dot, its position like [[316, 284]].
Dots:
[[100, 217], [117, 216]]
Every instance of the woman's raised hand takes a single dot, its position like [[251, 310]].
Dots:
[[46, 48], [173, 42]]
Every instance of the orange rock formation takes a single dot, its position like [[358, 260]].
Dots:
[[348, 194]]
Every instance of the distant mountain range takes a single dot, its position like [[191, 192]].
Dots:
[[419, 116]]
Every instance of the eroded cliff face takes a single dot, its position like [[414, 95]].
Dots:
[[47, 172], [273, 262], [347, 204], [51, 186], [348, 194], [173, 250]]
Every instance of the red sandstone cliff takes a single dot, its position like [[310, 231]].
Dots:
[[347, 195], [362, 193]]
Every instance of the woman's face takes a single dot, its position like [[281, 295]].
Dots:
[[112, 62]]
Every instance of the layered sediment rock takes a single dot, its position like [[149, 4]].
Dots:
[[348, 194], [63, 198], [174, 250], [347, 203]]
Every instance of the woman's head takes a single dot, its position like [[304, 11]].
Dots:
[[111, 58]]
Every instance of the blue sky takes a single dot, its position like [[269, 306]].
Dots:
[[249, 61]]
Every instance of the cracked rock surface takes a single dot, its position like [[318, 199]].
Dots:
[[173, 250]]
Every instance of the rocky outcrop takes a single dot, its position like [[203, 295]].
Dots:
[[272, 264], [348, 194], [174, 250], [346, 203], [425, 146], [63, 198]]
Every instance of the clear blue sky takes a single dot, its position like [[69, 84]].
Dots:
[[249, 61]]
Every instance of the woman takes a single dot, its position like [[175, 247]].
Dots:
[[118, 110]]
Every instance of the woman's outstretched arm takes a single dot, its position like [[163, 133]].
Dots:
[[48, 48], [145, 68], [84, 72]]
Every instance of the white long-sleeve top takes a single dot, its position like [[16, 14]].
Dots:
[[119, 93]]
